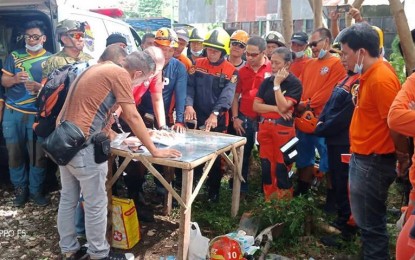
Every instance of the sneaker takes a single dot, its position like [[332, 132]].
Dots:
[[79, 255], [21, 197], [39, 199], [119, 256]]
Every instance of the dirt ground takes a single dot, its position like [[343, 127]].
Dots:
[[31, 232]]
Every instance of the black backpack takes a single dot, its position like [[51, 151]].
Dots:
[[52, 97]]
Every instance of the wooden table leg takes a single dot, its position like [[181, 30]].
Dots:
[[237, 181], [168, 198], [184, 229]]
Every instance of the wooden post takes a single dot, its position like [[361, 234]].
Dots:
[[318, 14], [357, 4], [404, 33], [311, 2], [184, 229], [287, 21], [347, 17]]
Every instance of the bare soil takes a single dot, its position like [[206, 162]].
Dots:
[[30, 232]]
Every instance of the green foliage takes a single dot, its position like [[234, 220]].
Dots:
[[215, 217], [150, 8], [397, 61], [296, 214]]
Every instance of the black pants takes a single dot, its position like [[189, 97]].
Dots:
[[339, 177]]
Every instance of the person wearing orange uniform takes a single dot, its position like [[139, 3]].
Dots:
[[275, 103], [401, 119], [374, 146], [183, 37], [299, 43], [319, 77]]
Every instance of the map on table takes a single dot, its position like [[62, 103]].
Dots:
[[192, 144]]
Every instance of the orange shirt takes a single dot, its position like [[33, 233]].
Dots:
[[186, 61], [369, 131], [402, 119], [319, 77], [297, 66]]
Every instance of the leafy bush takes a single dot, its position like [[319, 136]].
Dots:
[[397, 61], [296, 214]]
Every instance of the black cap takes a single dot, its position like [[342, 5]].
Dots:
[[116, 38], [300, 38]]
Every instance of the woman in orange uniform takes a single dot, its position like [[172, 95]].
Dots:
[[401, 119], [275, 103]]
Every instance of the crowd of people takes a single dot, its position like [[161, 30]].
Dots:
[[344, 98]]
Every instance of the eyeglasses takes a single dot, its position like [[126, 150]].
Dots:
[[253, 55], [76, 35], [355, 94], [314, 44], [34, 37], [240, 45]]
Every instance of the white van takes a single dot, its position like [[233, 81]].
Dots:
[[14, 13]]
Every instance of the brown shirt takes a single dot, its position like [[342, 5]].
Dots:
[[99, 89]]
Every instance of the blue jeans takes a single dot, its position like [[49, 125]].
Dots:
[[306, 149], [82, 173], [250, 126], [369, 178], [19, 135]]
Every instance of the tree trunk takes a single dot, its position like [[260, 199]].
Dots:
[[287, 21], [357, 4], [347, 17], [404, 33], [311, 4], [318, 11]]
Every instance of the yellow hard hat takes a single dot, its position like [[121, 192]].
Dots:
[[240, 36], [380, 33], [217, 38]]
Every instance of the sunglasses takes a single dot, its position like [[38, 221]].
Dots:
[[240, 45], [314, 44], [34, 37], [76, 35], [253, 55]]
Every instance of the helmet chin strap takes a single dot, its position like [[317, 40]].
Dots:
[[73, 46]]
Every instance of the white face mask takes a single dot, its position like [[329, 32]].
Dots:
[[35, 48], [358, 68], [197, 53], [299, 54], [322, 53]]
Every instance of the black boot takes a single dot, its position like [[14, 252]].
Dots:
[[22, 196], [302, 188]]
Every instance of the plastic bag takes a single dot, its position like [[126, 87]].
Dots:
[[125, 226], [199, 245]]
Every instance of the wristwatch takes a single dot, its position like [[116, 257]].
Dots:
[[216, 113], [276, 87]]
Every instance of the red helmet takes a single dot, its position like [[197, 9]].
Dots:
[[306, 123], [225, 248]]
